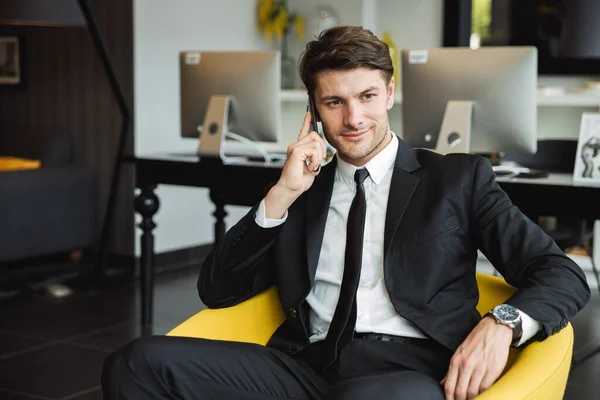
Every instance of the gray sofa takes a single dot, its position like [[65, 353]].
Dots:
[[47, 210]]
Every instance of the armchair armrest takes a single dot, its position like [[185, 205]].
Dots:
[[252, 321]]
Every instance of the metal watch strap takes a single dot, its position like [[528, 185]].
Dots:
[[517, 329]]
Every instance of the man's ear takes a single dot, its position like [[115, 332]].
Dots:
[[390, 93]]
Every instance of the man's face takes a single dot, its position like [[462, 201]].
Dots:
[[353, 107]]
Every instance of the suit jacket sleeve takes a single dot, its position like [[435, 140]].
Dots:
[[240, 266], [551, 287]]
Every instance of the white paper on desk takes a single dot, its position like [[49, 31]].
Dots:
[[587, 160]]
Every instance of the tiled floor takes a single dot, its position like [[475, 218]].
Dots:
[[54, 348]]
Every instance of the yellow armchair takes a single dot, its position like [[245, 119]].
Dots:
[[539, 371]]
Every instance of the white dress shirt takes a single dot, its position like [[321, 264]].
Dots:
[[375, 311]]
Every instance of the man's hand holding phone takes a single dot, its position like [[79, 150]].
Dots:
[[303, 164]]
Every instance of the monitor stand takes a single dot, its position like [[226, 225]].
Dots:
[[215, 140], [214, 127], [455, 133]]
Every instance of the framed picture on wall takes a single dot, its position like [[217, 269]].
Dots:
[[587, 160], [10, 61]]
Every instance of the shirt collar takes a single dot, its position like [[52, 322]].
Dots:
[[378, 166]]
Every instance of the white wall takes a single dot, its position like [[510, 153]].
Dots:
[[415, 23], [161, 30]]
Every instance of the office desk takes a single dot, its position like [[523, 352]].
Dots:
[[242, 185], [556, 195], [245, 185]]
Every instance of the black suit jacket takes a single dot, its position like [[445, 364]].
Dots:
[[441, 209]]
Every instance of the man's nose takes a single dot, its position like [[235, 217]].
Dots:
[[353, 117]]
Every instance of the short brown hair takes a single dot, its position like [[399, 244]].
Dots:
[[344, 48]]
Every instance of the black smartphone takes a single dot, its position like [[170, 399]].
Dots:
[[313, 115]]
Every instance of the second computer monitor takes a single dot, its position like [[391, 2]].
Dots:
[[501, 83], [250, 78]]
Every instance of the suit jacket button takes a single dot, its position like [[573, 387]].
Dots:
[[293, 313]]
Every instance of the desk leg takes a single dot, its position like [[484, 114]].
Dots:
[[219, 214], [146, 204]]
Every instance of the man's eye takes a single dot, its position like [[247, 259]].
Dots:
[[368, 96], [334, 103]]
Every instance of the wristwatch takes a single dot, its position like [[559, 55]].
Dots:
[[508, 315]]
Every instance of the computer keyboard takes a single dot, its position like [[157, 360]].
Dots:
[[512, 171]]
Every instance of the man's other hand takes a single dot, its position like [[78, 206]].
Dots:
[[478, 361]]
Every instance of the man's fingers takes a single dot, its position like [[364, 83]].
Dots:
[[305, 130], [487, 381], [310, 139], [315, 160], [315, 137], [314, 166], [323, 145], [309, 146], [306, 139], [450, 384], [462, 384], [307, 151], [475, 383]]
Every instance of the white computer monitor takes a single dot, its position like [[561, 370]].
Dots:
[[229, 99], [474, 101]]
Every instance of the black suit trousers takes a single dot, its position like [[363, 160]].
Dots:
[[164, 367]]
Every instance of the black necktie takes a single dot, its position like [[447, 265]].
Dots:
[[342, 325]]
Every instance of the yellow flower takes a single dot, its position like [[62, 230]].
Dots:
[[281, 23], [265, 21], [265, 9], [274, 20], [299, 27], [268, 31]]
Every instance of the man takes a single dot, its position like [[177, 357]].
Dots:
[[374, 259]]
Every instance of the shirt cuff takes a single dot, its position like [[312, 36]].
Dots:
[[530, 327], [261, 217]]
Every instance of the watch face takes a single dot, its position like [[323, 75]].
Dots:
[[507, 313]]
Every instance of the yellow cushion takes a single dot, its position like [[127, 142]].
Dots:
[[16, 163], [538, 372]]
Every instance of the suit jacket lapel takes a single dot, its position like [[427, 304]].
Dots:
[[401, 190], [319, 196], [317, 206]]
